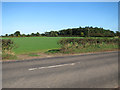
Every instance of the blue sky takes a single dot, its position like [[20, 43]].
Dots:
[[28, 17]]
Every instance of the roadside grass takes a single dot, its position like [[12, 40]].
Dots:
[[33, 55], [6, 56], [53, 51]]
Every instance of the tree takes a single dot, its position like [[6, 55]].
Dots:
[[74, 32], [43, 34], [117, 33], [17, 33], [6, 35], [23, 35], [28, 35], [56, 34], [53, 34], [37, 34], [32, 34], [11, 35]]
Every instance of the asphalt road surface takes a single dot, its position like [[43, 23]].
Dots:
[[78, 71]]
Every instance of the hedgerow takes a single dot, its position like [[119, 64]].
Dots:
[[74, 43]]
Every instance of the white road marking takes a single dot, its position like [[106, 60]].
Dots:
[[56, 66], [31, 69]]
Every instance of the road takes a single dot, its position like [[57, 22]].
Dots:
[[98, 70]]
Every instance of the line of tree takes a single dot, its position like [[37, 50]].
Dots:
[[18, 34], [73, 32]]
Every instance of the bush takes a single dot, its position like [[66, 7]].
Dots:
[[90, 41], [7, 46], [69, 44]]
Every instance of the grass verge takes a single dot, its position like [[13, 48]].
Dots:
[[33, 55], [6, 56], [92, 48]]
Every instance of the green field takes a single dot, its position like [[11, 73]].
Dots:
[[36, 44]]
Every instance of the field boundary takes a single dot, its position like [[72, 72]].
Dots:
[[64, 55]]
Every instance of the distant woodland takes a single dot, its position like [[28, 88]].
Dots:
[[70, 32]]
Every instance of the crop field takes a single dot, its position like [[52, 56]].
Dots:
[[34, 44], [25, 45]]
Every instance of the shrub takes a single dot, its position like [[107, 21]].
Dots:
[[7, 46], [74, 43]]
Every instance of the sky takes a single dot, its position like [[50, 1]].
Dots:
[[32, 17]]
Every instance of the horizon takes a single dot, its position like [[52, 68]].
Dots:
[[57, 30], [32, 17]]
